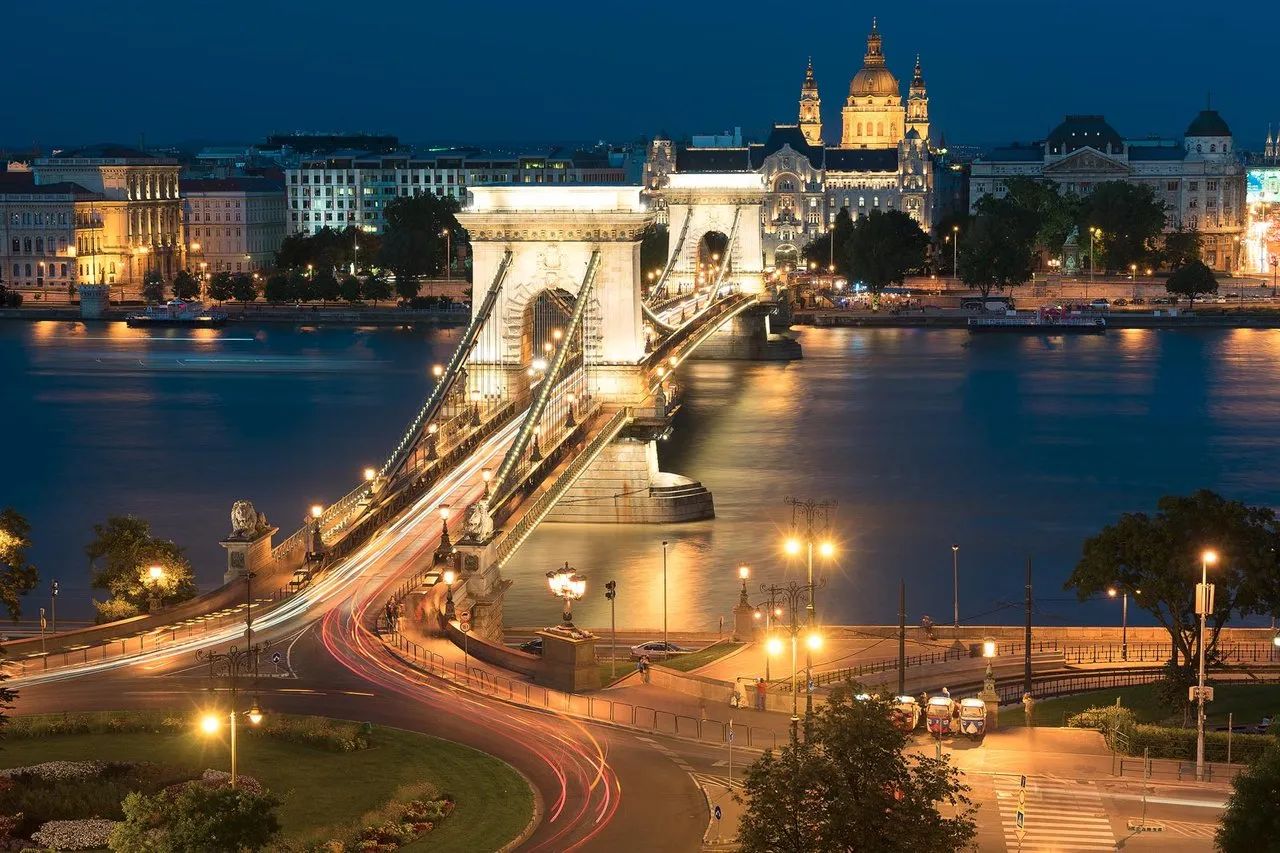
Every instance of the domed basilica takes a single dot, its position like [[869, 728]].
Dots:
[[885, 159]]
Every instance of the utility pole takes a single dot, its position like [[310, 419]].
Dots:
[[1026, 655], [53, 606], [611, 593], [902, 637]]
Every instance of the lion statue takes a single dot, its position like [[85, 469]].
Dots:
[[479, 522], [245, 520]]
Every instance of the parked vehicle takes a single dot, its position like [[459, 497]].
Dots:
[[973, 718], [658, 650], [533, 647], [906, 713], [1120, 303], [939, 716], [1099, 305]]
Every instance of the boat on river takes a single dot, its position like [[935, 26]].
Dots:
[[178, 313], [1051, 320]]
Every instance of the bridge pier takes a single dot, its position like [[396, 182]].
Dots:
[[750, 336]]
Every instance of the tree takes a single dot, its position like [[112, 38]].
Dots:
[[243, 288], [1191, 281], [220, 286], [406, 288], [884, 247], [998, 249], [153, 286], [1251, 813], [277, 288], [185, 286], [852, 785], [1181, 247], [301, 286], [953, 226], [197, 817], [119, 558], [325, 285], [17, 575], [411, 243], [376, 288], [1056, 213], [1156, 558], [350, 289], [1131, 219]]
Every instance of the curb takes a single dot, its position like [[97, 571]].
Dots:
[[535, 820]]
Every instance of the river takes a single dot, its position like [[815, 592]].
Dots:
[[1013, 447]]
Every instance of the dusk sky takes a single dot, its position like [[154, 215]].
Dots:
[[500, 71]]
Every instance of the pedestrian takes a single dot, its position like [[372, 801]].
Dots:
[[761, 692], [644, 668], [1028, 704], [924, 700], [946, 693]]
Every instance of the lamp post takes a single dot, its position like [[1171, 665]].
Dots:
[[446, 546], [248, 577], [317, 544], [744, 572], [448, 252], [155, 574], [794, 593], [486, 474], [810, 510], [665, 647], [611, 593], [1275, 264], [567, 584], [831, 246], [233, 663], [1124, 618], [955, 253], [955, 579], [448, 577], [1204, 603], [1094, 232], [53, 606]]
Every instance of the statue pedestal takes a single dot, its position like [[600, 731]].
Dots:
[[744, 623], [568, 660], [992, 699], [253, 555]]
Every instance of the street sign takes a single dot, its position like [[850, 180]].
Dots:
[[1193, 693], [1023, 783], [1021, 824], [719, 814], [275, 658]]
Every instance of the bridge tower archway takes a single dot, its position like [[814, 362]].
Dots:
[[552, 233], [702, 205]]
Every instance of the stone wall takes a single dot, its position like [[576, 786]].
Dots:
[[624, 486]]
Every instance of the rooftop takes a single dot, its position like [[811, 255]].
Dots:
[[229, 185]]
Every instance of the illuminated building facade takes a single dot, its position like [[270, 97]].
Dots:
[[233, 224], [133, 212], [1199, 178], [42, 231], [348, 188]]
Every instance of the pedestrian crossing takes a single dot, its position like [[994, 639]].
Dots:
[[1060, 816], [1187, 829]]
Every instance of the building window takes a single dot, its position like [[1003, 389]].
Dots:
[[1211, 186]]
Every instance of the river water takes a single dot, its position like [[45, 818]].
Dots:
[[1013, 447]]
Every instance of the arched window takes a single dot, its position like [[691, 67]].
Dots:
[[1213, 149], [879, 128], [859, 128]]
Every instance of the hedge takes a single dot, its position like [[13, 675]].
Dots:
[[1165, 742], [319, 732]]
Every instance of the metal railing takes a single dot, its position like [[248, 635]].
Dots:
[[544, 503]]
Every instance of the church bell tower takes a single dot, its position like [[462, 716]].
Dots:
[[810, 108], [918, 105]]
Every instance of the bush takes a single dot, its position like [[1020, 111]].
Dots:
[[197, 818], [430, 302], [40, 797], [1106, 719]]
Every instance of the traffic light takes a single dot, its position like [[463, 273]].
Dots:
[[611, 590]]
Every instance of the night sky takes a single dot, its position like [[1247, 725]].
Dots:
[[997, 70]]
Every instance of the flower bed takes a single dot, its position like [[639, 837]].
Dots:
[[90, 834], [399, 823]]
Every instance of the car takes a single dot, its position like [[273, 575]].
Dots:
[[1120, 302], [1099, 305], [1138, 300], [533, 647], [658, 650]]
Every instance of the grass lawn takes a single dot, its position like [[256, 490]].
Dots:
[[324, 789], [702, 657], [1249, 704]]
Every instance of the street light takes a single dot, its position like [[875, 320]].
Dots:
[[445, 544], [448, 252], [794, 593], [1094, 232], [567, 584], [826, 548], [486, 474], [155, 574], [744, 572], [1124, 619], [317, 544], [448, 577], [1204, 603], [955, 252], [955, 578], [233, 663]]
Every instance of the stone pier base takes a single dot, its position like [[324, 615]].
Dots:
[[750, 336], [568, 661], [624, 486]]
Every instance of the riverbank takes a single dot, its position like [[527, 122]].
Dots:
[[311, 315], [1115, 320]]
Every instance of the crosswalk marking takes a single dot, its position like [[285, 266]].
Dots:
[[1061, 816], [1189, 829]]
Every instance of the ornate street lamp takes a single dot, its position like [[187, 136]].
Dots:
[[432, 438], [567, 584], [232, 664], [744, 572], [448, 577]]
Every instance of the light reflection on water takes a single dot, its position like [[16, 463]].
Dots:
[[1011, 446]]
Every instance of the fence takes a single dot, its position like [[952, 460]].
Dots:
[[1229, 653], [1003, 650], [597, 708]]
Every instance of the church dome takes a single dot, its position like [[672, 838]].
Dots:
[[1208, 123], [874, 79]]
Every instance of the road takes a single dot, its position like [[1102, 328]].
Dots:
[[333, 664]]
